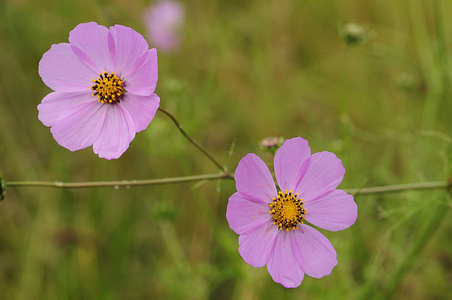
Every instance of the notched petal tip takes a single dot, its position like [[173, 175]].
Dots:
[[325, 173], [118, 131], [314, 253], [111, 155], [92, 40], [282, 264]]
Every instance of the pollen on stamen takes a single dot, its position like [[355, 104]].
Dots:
[[287, 210], [109, 88]]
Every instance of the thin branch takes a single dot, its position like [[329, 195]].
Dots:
[[400, 188], [179, 126], [119, 183], [128, 183]]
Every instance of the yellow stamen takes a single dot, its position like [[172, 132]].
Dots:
[[108, 88], [287, 210]]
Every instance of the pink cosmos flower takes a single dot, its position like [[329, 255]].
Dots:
[[103, 82], [163, 21], [271, 223]]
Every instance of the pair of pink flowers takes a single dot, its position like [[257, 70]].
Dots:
[[104, 82]]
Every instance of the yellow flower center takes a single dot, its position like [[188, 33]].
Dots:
[[108, 88], [287, 211]]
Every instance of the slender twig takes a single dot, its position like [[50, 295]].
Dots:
[[400, 188], [179, 126], [128, 183], [119, 183]]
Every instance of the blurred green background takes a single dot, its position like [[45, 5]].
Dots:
[[245, 70]]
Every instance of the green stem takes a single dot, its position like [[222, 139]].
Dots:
[[400, 188], [127, 183], [179, 126], [344, 81], [119, 183], [441, 48], [442, 60]]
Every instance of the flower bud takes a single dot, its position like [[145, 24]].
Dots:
[[271, 144], [354, 34]]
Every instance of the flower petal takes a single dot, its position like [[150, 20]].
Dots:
[[78, 126], [324, 173], [55, 103], [282, 264], [142, 108], [291, 162], [142, 76], [253, 178], [313, 251], [336, 211], [91, 39], [86, 60], [117, 132], [129, 45], [163, 20], [62, 70], [256, 247], [244, 215]]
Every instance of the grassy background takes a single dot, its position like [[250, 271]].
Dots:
[[246, 70]]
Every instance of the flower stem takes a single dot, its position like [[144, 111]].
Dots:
[[179, 126], [400, 188], [119, 183], [223, 175]]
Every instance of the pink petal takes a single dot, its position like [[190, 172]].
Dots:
[[336, 211], [129, 46], [282, 264], [325, 173], [62, 70], [112, 49], [245, 216], [55, 103], [86, 60], [91, 39], [142, 108], [78, 126], [165, 41], [117, 132], [256, 247], [291, 162], [313, 251], [163, 20], [253, 178], [142, 76]]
